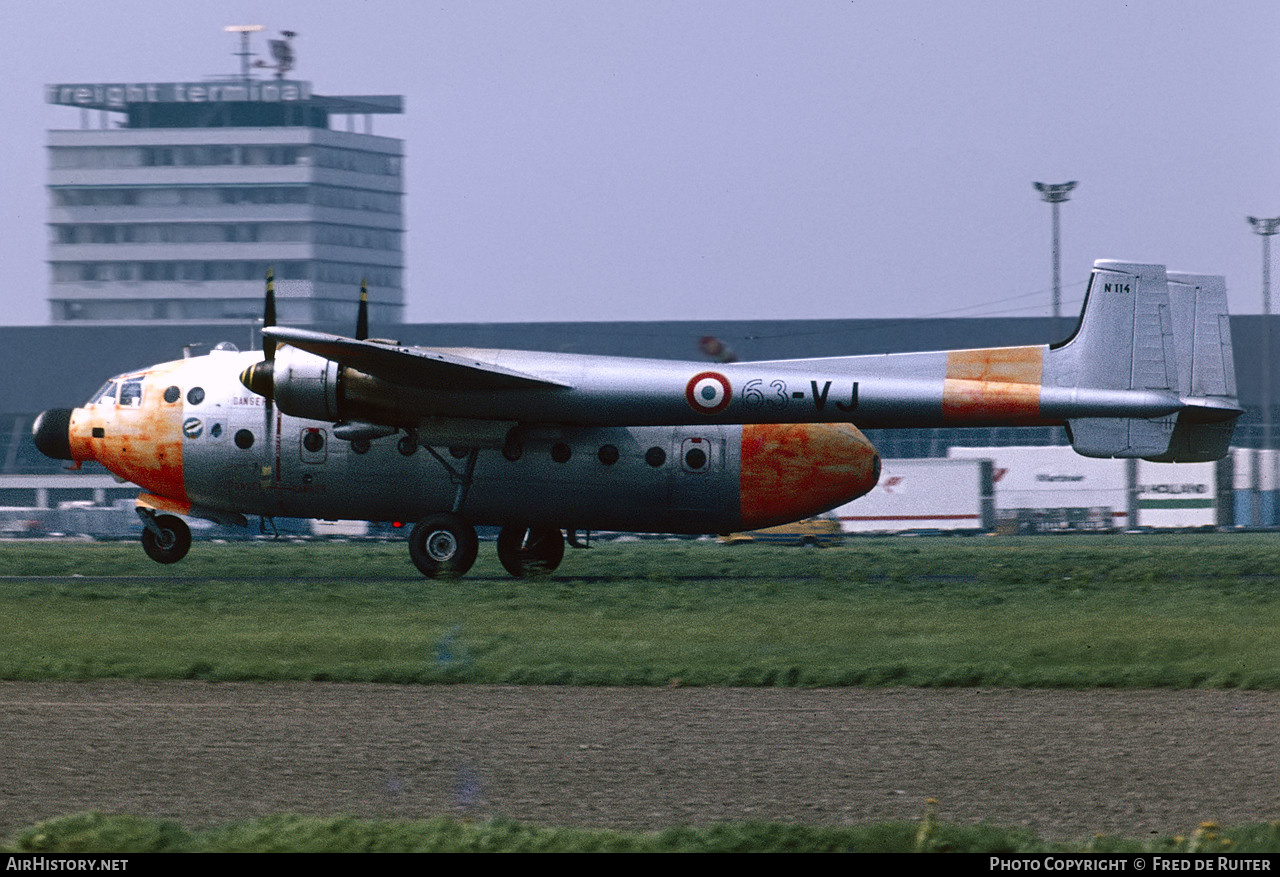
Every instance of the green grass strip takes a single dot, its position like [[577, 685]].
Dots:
[[101, 834], [1194, 610]]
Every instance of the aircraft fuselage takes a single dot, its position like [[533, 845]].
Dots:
[[198, 442]]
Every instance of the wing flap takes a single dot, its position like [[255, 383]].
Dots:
[[409, 366]]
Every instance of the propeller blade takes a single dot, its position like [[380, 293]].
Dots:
[[269, 314], [362, 319], [260, 378]]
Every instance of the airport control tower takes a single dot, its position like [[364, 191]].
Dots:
[[170, 205]]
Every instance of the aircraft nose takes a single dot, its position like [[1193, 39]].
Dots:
[[798, 470], [51, 433]]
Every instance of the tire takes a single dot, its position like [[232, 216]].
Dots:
[[172, 544], [530, 550], [443, 546]]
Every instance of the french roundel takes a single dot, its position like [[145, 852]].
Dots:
[[708, 392]]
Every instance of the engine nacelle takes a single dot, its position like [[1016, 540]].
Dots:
[[306, 385], [301, 384], [314, 388]]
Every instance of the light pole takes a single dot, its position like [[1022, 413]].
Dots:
[[1266, 228], [1055, 194]]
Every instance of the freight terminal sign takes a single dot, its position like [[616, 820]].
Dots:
[[119, 96]]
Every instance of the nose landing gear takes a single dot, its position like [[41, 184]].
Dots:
[[165, 538]]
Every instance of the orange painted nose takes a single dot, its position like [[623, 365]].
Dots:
[[796, 470]]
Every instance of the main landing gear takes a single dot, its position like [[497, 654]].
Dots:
[[444, 546], [530, 550]]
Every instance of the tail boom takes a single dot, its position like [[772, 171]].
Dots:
[[1147, 373]]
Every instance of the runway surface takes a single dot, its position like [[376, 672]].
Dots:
[[1067, 764]]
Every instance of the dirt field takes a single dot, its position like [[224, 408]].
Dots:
[[1064, 763]]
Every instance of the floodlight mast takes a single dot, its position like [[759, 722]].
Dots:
[[1055, 194], [1266, 228], [244, 54]]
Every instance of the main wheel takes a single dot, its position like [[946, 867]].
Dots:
[[172, 543], [443, 546], [530, 550]]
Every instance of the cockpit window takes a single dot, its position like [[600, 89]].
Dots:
[[131, 393], [105, 396]]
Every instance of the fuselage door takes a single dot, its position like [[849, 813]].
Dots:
[[695, 489], [314, 445]]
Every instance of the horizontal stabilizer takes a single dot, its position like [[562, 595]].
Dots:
[[1121, 436], [1197, 442]]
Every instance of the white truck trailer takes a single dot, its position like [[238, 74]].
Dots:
[[925, 495]]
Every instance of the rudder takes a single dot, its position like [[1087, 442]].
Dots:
[[1206, 369]]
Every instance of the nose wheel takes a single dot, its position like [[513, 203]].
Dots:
[[443, 546], [530, 550], [165, 538]]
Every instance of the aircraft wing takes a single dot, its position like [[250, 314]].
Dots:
[[417, 367]]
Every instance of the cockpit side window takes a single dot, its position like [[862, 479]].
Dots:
[[105, 396], [131, 393]]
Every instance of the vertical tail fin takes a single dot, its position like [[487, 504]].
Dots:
[[1124, 342], [1142, 329]]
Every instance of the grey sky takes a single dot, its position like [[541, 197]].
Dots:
[[745, 160]]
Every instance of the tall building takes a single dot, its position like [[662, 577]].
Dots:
[[174, 205]]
